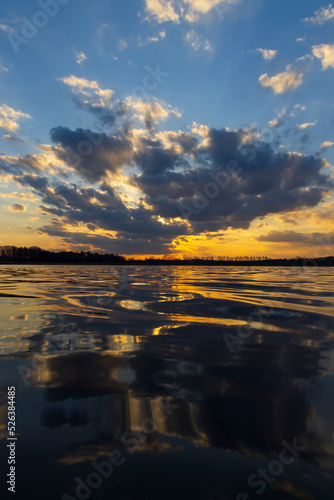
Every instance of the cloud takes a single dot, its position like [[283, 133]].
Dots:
[[198, 42], [150, 111], [289, 79], [20, 196], [321, 16], [90, 96], [86, 87], [109, 109], [296, 108], [303, 126], [9, 118], [141, 42], [16, 208], [270, 183], [267, 53], [327, 144], [91, 161], [283, 115], [167, 183], [99, 217], [325, 53], [6, 29], [145, 183], [122, 44], [312, 239], [278, 121], [3, 69], [162, 11], [80, 57], [13, 138], [302, 39], [35, 163]]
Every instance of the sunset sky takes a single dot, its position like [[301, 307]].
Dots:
[[159, 127]]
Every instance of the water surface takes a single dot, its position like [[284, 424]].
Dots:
[[192, 379]]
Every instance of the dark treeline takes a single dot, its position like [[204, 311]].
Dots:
[[12, 254], [37, 255], [297, 262]]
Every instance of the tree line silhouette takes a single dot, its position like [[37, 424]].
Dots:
[[35, 255]]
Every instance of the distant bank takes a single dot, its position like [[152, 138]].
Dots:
[[35, 255]]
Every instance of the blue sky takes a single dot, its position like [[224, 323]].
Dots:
[[261, 70]]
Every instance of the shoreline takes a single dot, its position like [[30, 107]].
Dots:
[[270, 263]]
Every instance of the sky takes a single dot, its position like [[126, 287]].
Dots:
[[162, 127]]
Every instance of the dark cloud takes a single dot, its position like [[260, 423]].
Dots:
[[16, 207], [226, 183], [312, 239], [36, 182], [153, 159], [91, 154], [101, 209], [108, 116], [234, 183], [122, 244], [18, 165], [13, 138]]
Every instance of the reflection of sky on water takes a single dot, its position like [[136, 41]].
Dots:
[[101, 352]]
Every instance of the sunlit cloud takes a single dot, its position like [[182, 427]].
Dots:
[[321, 16], [151, 111], [325, 53], [190, 11], [289, 79], [142, 42], [327, 144], [267, 53], [282, 82], [80, 57], [89, 91], [20, 196], [161, 11], [9, 118], [303, 126], [277, 122], [198, 42]]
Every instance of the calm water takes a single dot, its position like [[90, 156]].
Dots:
[[169, 383]]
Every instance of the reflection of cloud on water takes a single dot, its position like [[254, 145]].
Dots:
[[88, 382]]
